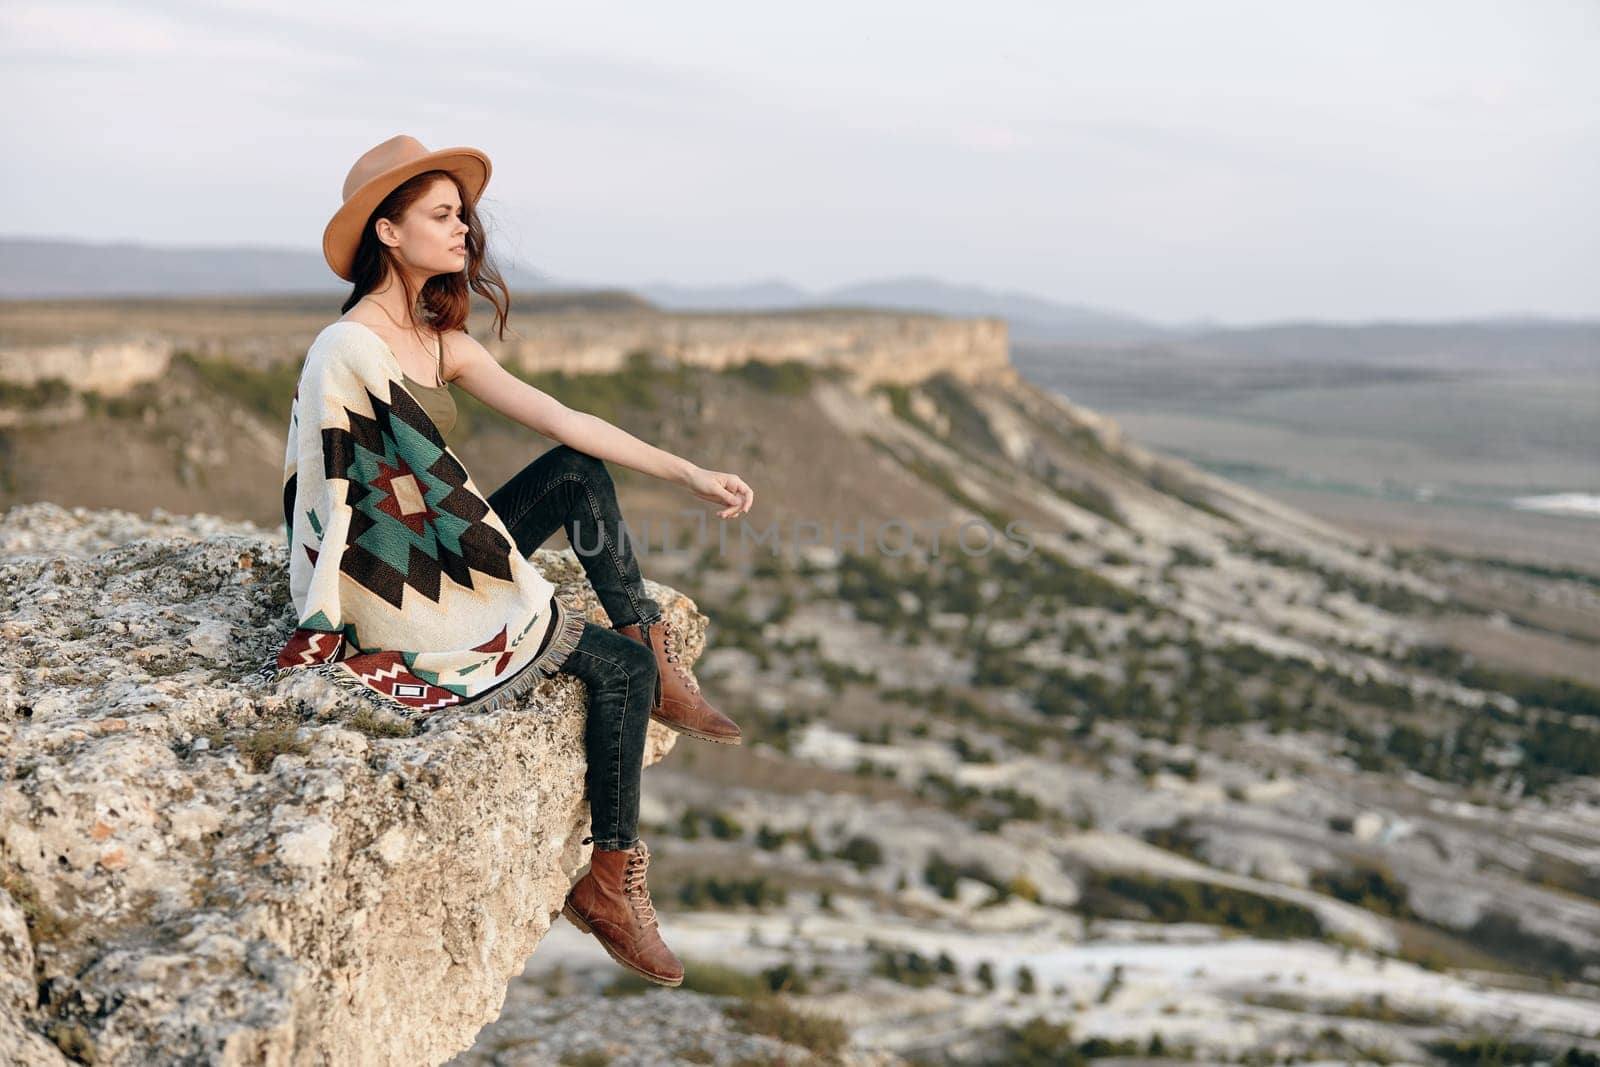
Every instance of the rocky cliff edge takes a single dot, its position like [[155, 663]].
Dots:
[[194, 870]]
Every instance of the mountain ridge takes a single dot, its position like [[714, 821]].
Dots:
[[55, 268]]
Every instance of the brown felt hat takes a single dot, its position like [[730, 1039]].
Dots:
[[376, 174]]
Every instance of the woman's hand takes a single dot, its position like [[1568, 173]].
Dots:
[[719, 487]]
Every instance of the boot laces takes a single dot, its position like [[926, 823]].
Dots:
[[671, 649], [633, 884]]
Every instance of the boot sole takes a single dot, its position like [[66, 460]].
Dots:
[[576, 920], [696, 733]]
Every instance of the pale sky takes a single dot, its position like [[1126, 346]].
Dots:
[[1174, 160]]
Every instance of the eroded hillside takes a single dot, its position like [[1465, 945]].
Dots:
[[1179, 770]]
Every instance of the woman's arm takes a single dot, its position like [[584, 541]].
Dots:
[[476, 370]]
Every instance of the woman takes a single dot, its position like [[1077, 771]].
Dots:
[[409, 239]]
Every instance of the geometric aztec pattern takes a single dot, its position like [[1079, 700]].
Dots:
[[392, 673], [414, 519], [396, 674]]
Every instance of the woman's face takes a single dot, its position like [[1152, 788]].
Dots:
[[432, 236]]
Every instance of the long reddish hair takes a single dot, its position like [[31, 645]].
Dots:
[[445, 299]]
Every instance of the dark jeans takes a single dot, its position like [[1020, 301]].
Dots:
[[571, 490]]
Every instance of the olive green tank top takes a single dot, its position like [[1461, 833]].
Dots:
[[436, 399]]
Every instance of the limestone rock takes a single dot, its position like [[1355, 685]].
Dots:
[[171, 890]]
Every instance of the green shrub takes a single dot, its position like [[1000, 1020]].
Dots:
[[371, 725], [262, 747], [1484, 1050], [909, 968], [789, 377], [268, 392], [864, 852], [755, 892], [39, 394], [1090, 497], [771, 1016], [699, 976], [1184, 900], [1367, 885], [718, 825], [942, 875], [1042, 1043], [588, 1058]]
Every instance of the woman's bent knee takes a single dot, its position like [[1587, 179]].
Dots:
[[572, 459], [641, 660], [633, 657]]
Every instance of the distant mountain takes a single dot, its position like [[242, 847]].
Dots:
[[1201, 360], [43, 267], [32, 267], [1525, 341], [773, 294], [1029, 318]]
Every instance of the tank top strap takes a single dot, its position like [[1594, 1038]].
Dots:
[[438, 342]]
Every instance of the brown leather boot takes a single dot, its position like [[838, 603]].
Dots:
[[679, 702], [612, 902]]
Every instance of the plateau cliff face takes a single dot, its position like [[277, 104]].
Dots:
[[111, 358], [195, 870], [872, 346]]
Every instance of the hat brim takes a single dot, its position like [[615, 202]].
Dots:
[[342, 236]]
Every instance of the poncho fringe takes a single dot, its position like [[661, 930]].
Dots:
[[568, 631]]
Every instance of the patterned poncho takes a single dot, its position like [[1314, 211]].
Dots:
[[408, 588]]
